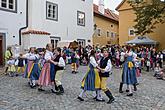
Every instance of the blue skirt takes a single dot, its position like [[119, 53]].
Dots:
[[129, 75], [52, 72], [35, 73], [91, 81]]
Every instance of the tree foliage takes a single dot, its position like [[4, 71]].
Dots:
[[147, 15]]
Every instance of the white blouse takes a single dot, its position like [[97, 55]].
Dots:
[[93, 61], [108, 68], [48, 55]]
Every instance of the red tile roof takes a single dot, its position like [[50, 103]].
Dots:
[[108, 13], [35, 32]]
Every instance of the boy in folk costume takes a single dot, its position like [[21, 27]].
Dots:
[[106, 67], [20, 64], [59, 69]]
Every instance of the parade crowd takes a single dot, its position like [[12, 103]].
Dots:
[[45, 67]]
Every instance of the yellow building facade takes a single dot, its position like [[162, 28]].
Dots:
[[106, 27], [126, 23]]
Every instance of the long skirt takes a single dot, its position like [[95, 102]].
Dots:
[[28, 69], [45, 79], [91, 81], [129, 74]]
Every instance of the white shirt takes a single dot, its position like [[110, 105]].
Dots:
[[61, 62], [93, 61], [48, 55], [108, 68], [30, 56]]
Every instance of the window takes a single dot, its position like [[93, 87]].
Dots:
[[8, 5], [113, 35], [99, 32], [80, 18], [131, 32], [81, 42], [162, 0], [54, 41], [107, 33], [51, 11]]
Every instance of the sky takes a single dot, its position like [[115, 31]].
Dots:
[[111, 4]]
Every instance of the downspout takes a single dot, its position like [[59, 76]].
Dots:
[[20, 34]]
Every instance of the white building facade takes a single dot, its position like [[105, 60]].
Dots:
[[63, 19], [12, 18], [47, 21]]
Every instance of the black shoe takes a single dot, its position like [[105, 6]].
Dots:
[[32, 86], [120, 88], [120, 91], [127, 90], [56, 88], [95, 98], [61, 88], [135, 88], [53, 91], [131, 94], [111, 100], [79, 98], [100, 100], [40, 89], [110, 96]]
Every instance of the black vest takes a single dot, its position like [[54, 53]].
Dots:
[[56, 66], [20, 62], [103, 64]]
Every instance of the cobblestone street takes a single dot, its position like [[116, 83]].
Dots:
[[15, 94]]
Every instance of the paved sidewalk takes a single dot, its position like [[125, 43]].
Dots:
[[16, 95]]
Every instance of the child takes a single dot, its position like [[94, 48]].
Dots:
[[159, 74], [11, 67], [47, 75], [59, 69], [20, 63], [148, 64], [74, 65], [138, 70]]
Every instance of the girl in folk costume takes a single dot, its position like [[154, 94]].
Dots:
[[129, 72], [91, 81], [59, 69], [106, 67], [32, 70], [47, 75]]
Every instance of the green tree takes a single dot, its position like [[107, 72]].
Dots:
[[147, 15]]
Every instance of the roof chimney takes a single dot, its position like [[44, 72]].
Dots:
[[101, 6]]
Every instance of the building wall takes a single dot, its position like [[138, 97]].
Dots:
[[66, 27], [10, 23], [39, 41], [126, 21], [35, 40], [105, 25]]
